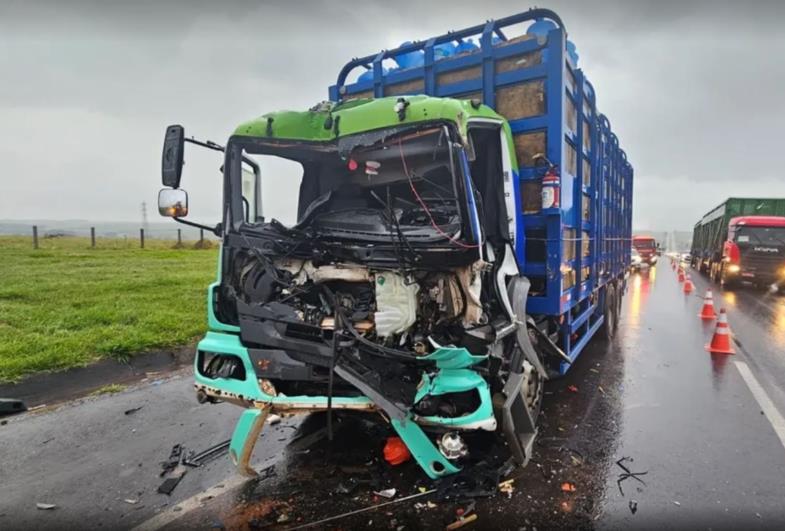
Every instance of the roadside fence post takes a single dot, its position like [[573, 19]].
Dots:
[[179, 237], [35, 236], [201, 236], [92, 237], [141, 238]]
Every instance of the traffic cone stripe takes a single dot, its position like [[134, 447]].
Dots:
[[707, 312], [720, 341]]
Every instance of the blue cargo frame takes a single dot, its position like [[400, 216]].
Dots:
[[572, 252]]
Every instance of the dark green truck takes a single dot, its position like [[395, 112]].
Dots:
[[742, 239]]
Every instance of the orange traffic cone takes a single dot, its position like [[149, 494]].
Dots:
[[688, 287], [681, 275], [707, 312], [720, 341]]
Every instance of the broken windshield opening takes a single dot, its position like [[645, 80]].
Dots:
[[401, 182]]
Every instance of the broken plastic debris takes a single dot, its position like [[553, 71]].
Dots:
[[572, 388], [45, 506], [676, 503], [386, 493], [395, 451], [633, 506], [568, 487], [273, 419], [507, 487], [131, 501], [460, 522]]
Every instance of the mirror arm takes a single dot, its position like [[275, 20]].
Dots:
[[215, 230]]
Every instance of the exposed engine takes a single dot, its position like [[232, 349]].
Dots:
[[414, 312]]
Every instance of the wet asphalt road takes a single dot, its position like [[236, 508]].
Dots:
[[654, 395]]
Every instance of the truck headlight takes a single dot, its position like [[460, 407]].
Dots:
[[734, 268]]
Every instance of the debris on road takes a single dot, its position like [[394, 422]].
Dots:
[[572, 388], [396, 452], [174, 459], [45, 506], [460, 522], [628, 474], [507, 487], [633, 506], [131, 501], [386, 493], [170, 483], [132, 410], [568, 487], [196, 460], [677, 504]]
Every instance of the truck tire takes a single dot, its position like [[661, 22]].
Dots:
[[608, 328]]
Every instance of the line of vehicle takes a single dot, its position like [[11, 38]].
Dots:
[[770, 411]]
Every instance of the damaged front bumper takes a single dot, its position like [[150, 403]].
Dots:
[[452, 374]]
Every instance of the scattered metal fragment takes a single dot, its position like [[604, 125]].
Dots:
[[386, 493], [45, 506], [132, 410], [677, 504], [205, 456], [460, 522], [171, 482], [131, 501], [174, 459], [572, 388], [633, 506], [273, 419]]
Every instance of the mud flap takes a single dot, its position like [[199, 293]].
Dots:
[[425, 453], [244, 438]]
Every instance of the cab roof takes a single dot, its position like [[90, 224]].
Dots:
[[758, 221], [329, 120]]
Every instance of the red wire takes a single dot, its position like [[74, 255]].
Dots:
[[425, 207]]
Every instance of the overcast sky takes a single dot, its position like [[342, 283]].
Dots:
[[693, 89]]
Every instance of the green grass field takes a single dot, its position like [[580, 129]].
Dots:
[[65, 304]]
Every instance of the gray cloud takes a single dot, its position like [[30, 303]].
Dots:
[[692, 89]]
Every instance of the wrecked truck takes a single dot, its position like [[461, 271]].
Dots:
[[463, 230]]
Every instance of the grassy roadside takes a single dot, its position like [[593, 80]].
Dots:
[[65, 304]]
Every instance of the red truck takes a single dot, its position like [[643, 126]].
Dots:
[[742, 240], [647, 248]]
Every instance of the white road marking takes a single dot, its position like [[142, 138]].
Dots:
[[195, 502], [765, 403]]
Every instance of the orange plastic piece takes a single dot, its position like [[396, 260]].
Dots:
[[396, 452]]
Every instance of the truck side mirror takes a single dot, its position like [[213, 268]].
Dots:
[[172, 156], [173, 203]]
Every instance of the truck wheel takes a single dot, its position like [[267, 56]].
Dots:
[[608, 329]]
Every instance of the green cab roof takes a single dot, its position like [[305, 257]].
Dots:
[[328, 121]]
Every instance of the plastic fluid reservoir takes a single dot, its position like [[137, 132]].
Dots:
[[411, 59], [466, 46]]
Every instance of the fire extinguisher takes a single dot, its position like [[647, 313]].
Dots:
[[550, 188]]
